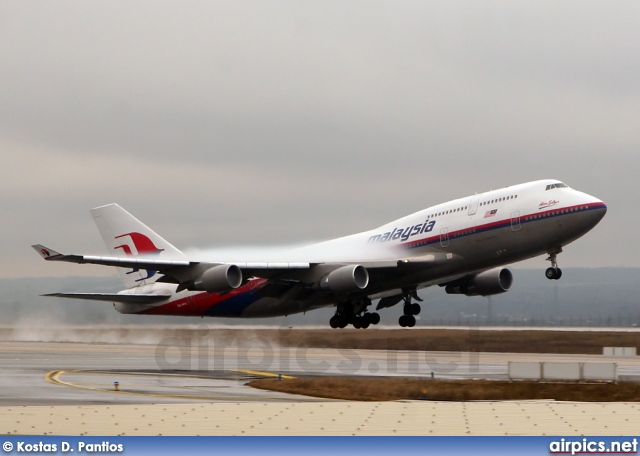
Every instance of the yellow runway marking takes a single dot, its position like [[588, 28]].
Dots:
[[261, 374], [54, 377]]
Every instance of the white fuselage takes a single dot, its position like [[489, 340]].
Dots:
[[453, 239]]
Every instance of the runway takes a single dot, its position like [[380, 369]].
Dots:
[[80, 377], [40, 373]]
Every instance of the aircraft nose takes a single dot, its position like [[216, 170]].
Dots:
[[597, 209], [603, 207]]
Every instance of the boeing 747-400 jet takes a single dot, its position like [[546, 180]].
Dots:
[[461, 245]]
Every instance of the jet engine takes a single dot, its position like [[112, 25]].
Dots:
[[494, 281], [219, 278], [346, 279]]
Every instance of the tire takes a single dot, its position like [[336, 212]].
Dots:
[[411, 321], [403, 321], [334, 322], [550, 273], [415, 309], [375, 318], [558, 274], [357, 323]]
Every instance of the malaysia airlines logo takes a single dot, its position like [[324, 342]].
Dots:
[[142, 245]]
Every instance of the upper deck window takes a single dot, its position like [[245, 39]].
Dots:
[[558, 185]]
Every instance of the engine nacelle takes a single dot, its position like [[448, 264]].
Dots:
[[219, 278], [346, 279], [494, 281]]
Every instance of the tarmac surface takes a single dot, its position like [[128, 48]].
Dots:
[[180, 387]]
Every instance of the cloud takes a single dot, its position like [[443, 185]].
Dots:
[[233, 122]]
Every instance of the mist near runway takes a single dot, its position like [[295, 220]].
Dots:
[[145, 334]]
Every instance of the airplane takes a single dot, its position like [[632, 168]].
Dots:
[[460, 245]]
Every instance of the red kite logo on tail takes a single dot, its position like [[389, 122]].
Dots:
[[143, 245]]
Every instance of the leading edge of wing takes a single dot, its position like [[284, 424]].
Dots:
[[148, 263], [145, 263], [114, 297]]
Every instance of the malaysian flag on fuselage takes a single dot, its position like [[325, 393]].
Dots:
[[490, 213]]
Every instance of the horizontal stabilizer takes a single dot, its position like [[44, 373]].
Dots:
[[115, 297]]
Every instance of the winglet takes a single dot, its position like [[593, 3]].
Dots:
[[46, 252]]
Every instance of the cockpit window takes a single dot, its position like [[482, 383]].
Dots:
[[558, 185]]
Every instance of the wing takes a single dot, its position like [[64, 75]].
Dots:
[[174, 271], [187, 273], [115, 297]]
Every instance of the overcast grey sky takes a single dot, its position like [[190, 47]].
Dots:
[[272, 122]]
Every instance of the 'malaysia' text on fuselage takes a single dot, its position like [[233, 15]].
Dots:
[[404, 234]]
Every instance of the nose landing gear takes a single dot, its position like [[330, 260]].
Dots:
[[554, 272]]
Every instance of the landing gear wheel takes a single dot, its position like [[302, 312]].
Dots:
[[407, 321], [354, 313], [344, 315], [553, 273]]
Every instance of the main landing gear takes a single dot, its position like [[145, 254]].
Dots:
[[554, 272], [408, 320], [354, 313]]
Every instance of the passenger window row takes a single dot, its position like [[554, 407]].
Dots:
[[464, 208], [498, 200], [451, 211], [557, 212]]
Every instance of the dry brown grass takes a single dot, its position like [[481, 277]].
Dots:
[[459, 340], [389, 389]]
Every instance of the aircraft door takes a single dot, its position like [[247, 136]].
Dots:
[[444, 237], [515, 221], [473, 205]]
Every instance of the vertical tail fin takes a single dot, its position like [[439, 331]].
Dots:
[[126, 236]]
